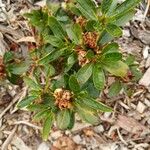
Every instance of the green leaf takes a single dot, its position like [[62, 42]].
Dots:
[[51, 56], [112, 7], [26, 101], [73, 84], [63, 119], [122, 18], [112, 47], [49, 70], [72, 120], [119, 68], [114, 89], [126, 6], [98, 77], [96, 105], [32, 84], [105, 38], [130, 60], [37, 107], [8, 56], [111, 57], [18, 69], [51, 39], [87, 115], [56, 28], [84, 73], [114, 30], [40, 115], [71, 61], [14, 79], [137, 74], [38, 18], [47, 126], [87, 8], [105, 6], [75, 33]]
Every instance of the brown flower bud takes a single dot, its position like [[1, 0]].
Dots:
[[81, 21], [62, 98], [90, 39]]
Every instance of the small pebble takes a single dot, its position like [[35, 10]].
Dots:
[[107, 114], [44, 146], [77, 139], [147, 102], [126, 33], [99, 129], [1, 142], [55, 135], [140, 107]]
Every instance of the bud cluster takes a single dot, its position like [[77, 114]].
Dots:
[[63, 98]]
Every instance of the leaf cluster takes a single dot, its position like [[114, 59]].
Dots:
[[75, 54]]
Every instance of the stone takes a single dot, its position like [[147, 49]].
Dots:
[[44, 146], [77, 139], [147, 102], [99, 129], [140, 107], [145, 80], [55, 135]]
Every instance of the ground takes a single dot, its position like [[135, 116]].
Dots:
[[127, 128]]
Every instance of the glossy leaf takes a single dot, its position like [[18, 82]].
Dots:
[[96, 105], [40, 115], [72, 120], [84, 73], [111, 57], [63, 119], [47, 126], [51, 56], [126, 6], [122, 18], [98, 77], [56, 28], [26, 101], [105, 38], [114, 89], [32, 84], [73, 84], [18, 69], [8, 56], [112, 47], [87, 8], [105, 6], [71, 61], [118, 68], [114, 30], [51, 39], [87, 115], [75, 33]]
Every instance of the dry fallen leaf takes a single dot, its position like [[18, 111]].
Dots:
[[65, 143]]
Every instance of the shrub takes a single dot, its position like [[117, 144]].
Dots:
[[74, 54]]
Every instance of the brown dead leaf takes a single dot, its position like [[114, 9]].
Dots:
[[131, 125], [65, 143]]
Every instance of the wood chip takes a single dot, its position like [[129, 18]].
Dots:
[[131, 125], [140, 107], [145, 80]]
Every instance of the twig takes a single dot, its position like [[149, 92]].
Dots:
[[23, 94], [120, 136], [147, 8], [16, 98], [9, 139], [28, 124]]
